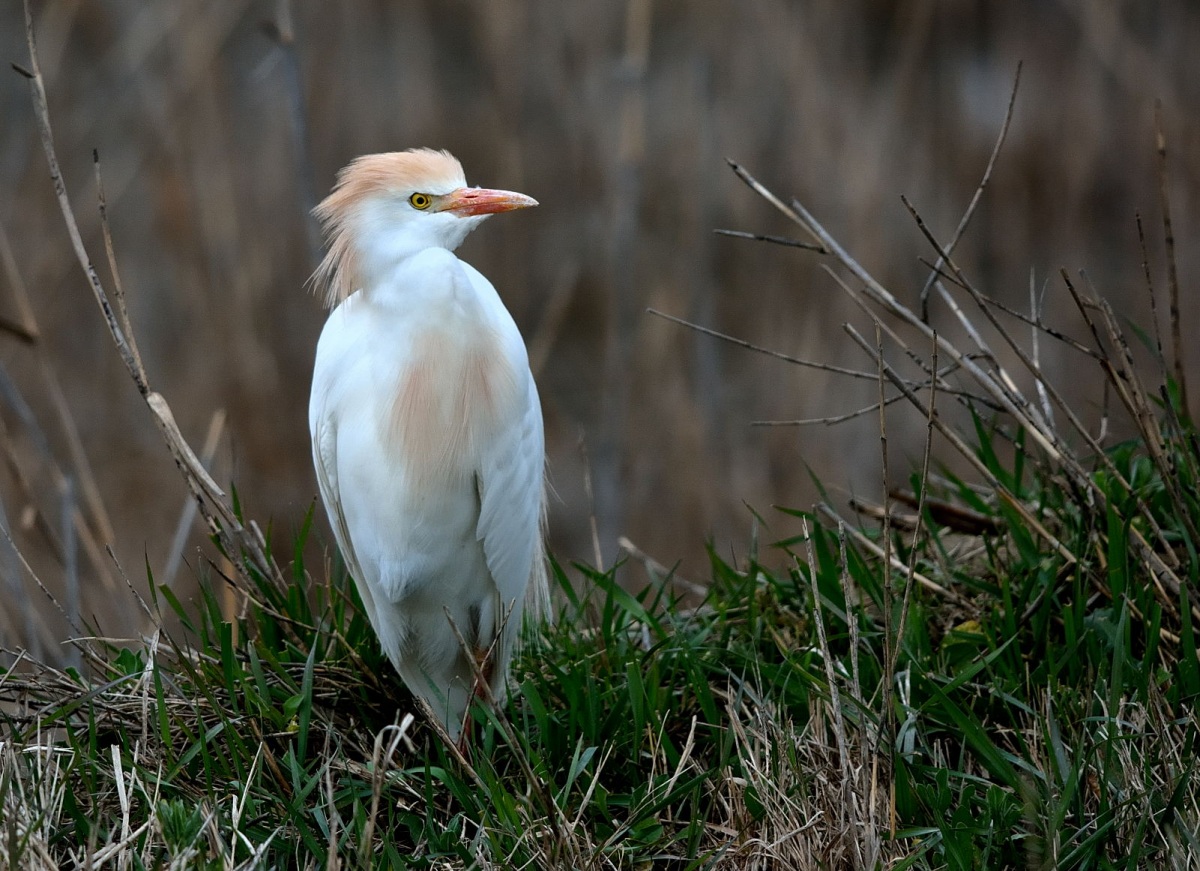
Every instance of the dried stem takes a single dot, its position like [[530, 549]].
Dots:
[[1160, 141], [987, 174], [211, 500]]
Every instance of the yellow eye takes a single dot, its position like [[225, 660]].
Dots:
[[420, 201]]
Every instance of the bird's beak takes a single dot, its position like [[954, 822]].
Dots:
[[466, 202]]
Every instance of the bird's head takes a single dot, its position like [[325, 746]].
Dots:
[[387, 206]]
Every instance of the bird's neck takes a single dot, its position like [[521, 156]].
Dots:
[[427, 289], [383, 246]]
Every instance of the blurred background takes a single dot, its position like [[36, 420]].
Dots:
[[220, 123]]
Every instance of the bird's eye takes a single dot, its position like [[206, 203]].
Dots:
[[420, 201]]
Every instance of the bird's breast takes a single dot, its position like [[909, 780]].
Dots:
[[454, 392]]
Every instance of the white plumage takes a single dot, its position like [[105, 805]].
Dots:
[[426, 426]]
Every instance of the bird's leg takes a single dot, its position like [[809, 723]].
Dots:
[[464, 735], [481, 688], [485, 667]]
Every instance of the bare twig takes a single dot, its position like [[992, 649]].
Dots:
[[1160, 141], [871, 547], [1000, 392], [821, 246], [212, 501], [987, 174], [216, 427], [1120, 381], [1020, 407], [956, 517], [777, 240], [1158, 343], [659, 574], [922, 501], [1035, 312], [943, 385], [1046, 436], [965, 450], [42, 112], [891, 632], [135, 356], [1037, 324], [829, 420], [1140, 407], [742, 343]]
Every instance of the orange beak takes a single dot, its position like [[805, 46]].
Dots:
[[466, 202]]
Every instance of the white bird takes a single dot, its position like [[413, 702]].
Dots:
[[426, 426]]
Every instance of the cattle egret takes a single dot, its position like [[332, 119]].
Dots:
[[426, 427]]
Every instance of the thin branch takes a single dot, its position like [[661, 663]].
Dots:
[[1158, 343], [216, 426], [742, 343], [939, 270], [1118, 380], [42, 113], [969, 454], [822, 245], [777, 240], [1172, 270], [872, 547], [921, 504], [891, 633], [1035, 311], [965, 322], [118, 287], [1038, 324], [1028, 415], [956, 517], [943, 385], [883, 297], [987, 174], [830, 420], [210, 497]]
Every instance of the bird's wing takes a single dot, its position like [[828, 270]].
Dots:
[[511, 494], [324, 445]]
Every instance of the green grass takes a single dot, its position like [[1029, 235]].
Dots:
[[1044, 717]]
